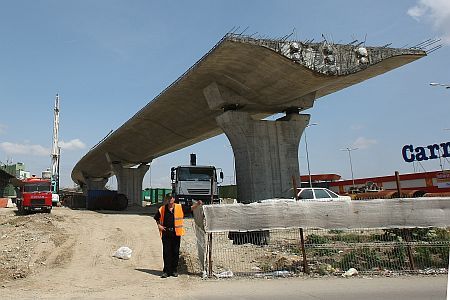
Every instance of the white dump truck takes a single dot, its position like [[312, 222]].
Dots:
[[194, 182]]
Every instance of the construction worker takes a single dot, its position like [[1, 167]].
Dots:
[[169, 219]]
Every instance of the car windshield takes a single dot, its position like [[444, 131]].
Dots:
[[194, 174], [37, 187]]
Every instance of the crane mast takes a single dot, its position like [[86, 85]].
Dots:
[[55, 148]]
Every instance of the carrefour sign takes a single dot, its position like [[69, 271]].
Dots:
[[411, 153]]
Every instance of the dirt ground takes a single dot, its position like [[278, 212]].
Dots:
[[67, 254]]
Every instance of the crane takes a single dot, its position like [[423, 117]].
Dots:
[[55, 148]]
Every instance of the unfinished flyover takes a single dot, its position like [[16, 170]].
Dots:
[[230, 90]]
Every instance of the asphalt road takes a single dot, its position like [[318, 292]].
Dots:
[[412, 288]]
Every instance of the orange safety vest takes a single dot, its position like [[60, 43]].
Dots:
[[178, 219]]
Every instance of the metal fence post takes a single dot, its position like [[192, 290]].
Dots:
[[407, 234], [302, 244], [294, 187], [210, 267], [397, 181]]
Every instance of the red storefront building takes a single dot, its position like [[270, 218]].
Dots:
[[437, 182]]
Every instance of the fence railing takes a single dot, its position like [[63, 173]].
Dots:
[[323, 252], [282, 238]]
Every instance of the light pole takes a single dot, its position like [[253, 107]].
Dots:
[[440, 156], [150, 174], [350, 158], [234, 169], [234, 164], [447, 86], [307, 155]]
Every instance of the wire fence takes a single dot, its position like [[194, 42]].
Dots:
[[289, 252]]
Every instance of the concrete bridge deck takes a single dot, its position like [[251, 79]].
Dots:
[[253, 76]]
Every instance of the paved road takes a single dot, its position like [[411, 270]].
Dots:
[[398, 288]]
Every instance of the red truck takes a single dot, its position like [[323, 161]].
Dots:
[[34, 194]]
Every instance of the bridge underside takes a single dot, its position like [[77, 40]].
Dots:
[[242, 80]]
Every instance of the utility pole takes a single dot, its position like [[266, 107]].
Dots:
[[307, 155], [350, 158], [55, 148]]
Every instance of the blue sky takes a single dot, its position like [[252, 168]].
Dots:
[[107, 59]]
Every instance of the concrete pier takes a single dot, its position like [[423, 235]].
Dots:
[[129, 182], [94, 184], [266, 153]]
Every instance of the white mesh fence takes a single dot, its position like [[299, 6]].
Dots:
[[266, 251], [369, 251]]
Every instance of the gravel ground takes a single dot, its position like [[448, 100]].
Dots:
[[27, 242]]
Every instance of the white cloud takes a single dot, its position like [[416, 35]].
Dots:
[[364, 143], [417, 11], [2, 128], [74, 144], [34, 150], [356, 127], [161, 182], [436, 12]]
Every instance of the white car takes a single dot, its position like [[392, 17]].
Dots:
[[319, 194], [312, 194]]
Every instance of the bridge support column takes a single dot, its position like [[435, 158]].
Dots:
[[129, 181], [266, 153], [94, 184]]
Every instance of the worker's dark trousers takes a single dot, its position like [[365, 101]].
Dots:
[[171, 252]]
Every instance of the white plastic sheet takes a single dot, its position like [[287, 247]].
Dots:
[[123, 253], [378, 213]]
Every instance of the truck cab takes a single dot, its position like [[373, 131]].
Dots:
[[34, 194], [195, 183]]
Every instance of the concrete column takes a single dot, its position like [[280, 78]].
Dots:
[[94, 184], [129, 182], [266, 153]]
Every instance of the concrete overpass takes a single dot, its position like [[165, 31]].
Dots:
[[234, 86]]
